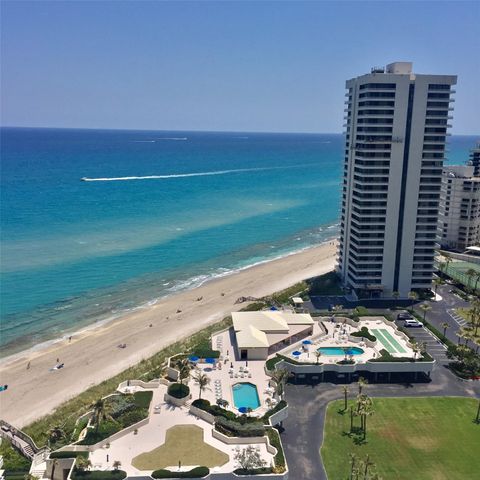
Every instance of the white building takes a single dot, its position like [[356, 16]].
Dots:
[[396, 128], [459, 219], [258, 334], [474, 160]]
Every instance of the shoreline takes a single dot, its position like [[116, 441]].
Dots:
[[116, 316], [92, 356]]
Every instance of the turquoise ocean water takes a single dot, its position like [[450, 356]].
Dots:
[[74, 252]]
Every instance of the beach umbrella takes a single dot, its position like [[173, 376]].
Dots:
[[231, 364], [193, 358], [273, 309], [243, 410], [307, 342], [296, 353], [210, 360]]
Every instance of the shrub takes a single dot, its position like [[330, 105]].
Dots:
[[364, 333], [12, 460], [284, 295], [98, 474], [68, 454], [253, 471], [254, 307], [232, 428], [279, 459], [361, 311], [280, 405], [105, 430], [197, 472], [218, 411], [178, 390], [271, 362]]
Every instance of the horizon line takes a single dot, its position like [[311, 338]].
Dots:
[[196, 131]]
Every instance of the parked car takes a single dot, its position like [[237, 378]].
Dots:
[[412, 323], [405, 316]]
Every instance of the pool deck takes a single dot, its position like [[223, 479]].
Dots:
[[227, 376], [337, 333]]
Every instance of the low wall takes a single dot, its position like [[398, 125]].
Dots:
[[279, 416], [242, 440], [379, 367], [198, 412], [139, 383]]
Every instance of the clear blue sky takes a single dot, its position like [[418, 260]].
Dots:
[[240, 66]]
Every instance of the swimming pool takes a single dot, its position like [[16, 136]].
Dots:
[[341, 352], [245, 395]]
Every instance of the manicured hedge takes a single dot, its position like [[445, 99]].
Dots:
[[68, 454], [215, 410], [98, 474], [235, 429], [386, 357], [253, 471], [364, 333], [204, 350], [178, 390], [197, 472]]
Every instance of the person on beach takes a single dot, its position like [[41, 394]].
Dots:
[[28, 366]]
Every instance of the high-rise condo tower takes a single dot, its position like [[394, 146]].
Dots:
[[396, 128]]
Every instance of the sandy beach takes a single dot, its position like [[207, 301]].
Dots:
[[93, 355]]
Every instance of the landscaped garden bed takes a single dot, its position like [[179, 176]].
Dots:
[[178, 390], [98, 474], [117, 412]]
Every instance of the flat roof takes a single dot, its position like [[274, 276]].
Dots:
[[297, 300], [474, 248]]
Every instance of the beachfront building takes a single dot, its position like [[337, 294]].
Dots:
[[474, 160], [261, 333], [459, 219], [396, 128]]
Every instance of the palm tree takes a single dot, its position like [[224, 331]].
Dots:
[[116, 465], [184, 366], [364, 409], [345, 396], [477, 419], [318, 354], [280, 377], [396, 296], [101, 411], [413, 296], [361, 383], [448, 259], [470, 273], [202, 381], [477, 279], [445, 325], [55, 434], [83, 463], [425, 308]]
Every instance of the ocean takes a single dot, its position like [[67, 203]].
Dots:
[[159, 212]]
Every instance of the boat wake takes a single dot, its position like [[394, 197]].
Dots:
[[183, 175]]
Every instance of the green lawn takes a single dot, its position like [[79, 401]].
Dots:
[[408, 439], [183, 443]]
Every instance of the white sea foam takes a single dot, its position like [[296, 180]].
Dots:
[[194, 174], [181, 139], [143, 141]]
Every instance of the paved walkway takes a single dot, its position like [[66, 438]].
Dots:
[[303, 435]]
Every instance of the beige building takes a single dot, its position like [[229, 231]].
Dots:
[[259, 334], [459, 218], [396, 129]]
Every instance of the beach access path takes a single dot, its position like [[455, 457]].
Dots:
[[93, 356]]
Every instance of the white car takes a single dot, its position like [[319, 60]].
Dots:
[[411, 322]]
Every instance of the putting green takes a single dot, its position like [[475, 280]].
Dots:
[[183, 443]]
